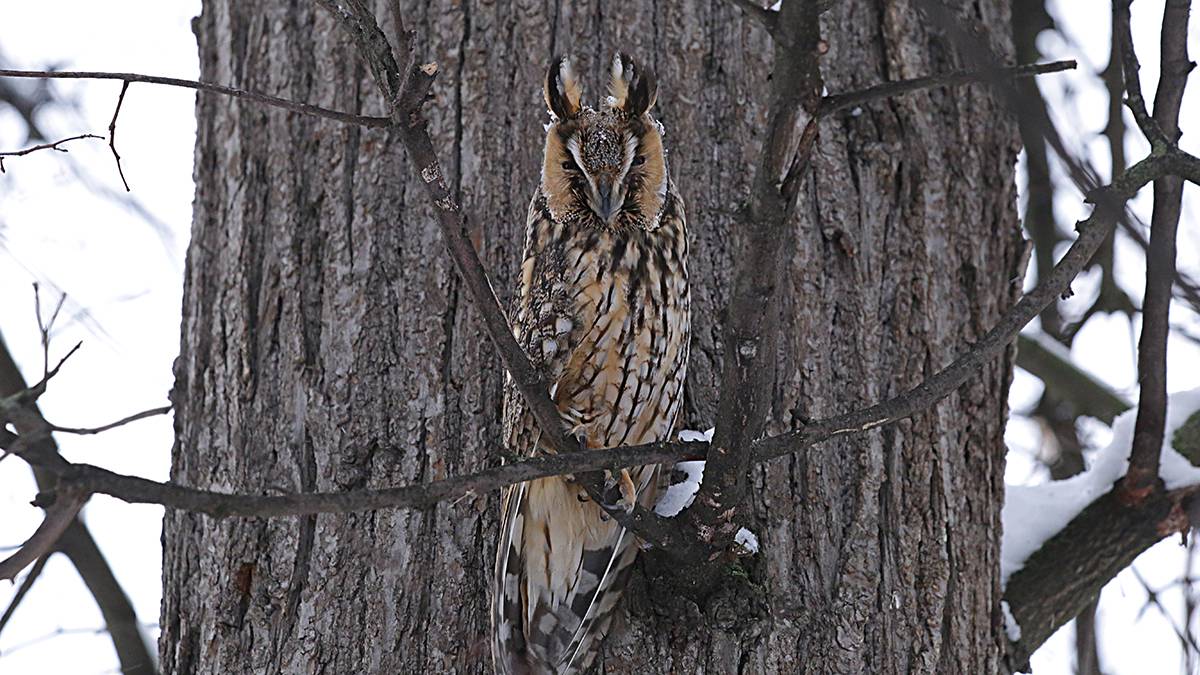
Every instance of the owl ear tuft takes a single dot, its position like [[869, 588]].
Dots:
[[631, 89], [562, 89]]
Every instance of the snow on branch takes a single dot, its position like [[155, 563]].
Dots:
[[1082, 524], [1034, 513]]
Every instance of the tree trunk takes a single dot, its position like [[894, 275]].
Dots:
[[326, 344]]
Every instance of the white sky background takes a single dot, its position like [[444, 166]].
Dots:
[[123, 279]]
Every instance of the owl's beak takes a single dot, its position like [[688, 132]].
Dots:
[[606, 207]]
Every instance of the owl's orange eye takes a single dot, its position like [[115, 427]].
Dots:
[[639, 160]]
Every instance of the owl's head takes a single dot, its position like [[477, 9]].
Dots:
[[604, 167]]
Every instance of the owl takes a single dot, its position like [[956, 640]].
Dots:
[[603, 311]]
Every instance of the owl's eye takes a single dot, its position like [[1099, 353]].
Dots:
[[639, 160], [568, 165]]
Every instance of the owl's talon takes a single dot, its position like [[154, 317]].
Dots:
[[619, 491]]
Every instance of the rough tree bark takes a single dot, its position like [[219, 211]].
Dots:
[[326, 345]]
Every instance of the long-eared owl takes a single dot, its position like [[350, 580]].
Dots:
[[603, 310]]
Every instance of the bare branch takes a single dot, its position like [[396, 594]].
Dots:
[[119, 616], [10, 405], [302, 108], [1092, 232], [112, 133], [838, 102], [768, 19], [1142, 476], [1100, 542], [1090, 396], [751, 329], [93, 479], [1130, 67], [87, 431], [78, 545], [43, 146], [26, 584], [59, 515]]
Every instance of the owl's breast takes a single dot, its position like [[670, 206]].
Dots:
[[625, 297]]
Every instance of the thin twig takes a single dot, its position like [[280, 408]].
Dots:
[[1187, 642], [112, 133], [77, 543], [93, 479], [274, 101], [1130, 67], [43, 146], [837, 102], [404, 49], [44, 326], [87, 431], [26, 584], [27, 396], [43, 332]]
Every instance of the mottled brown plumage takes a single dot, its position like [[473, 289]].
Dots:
[[603, 310]]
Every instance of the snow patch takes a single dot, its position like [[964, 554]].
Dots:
[[693, 436], [1011, 627], [680, 495], [1034, 513], [747, 540]]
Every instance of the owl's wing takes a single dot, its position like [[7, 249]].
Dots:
[[533, 314], [536, 324]]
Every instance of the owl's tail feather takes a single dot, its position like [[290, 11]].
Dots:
[[599, 610], [508, 635], [560, 573]]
